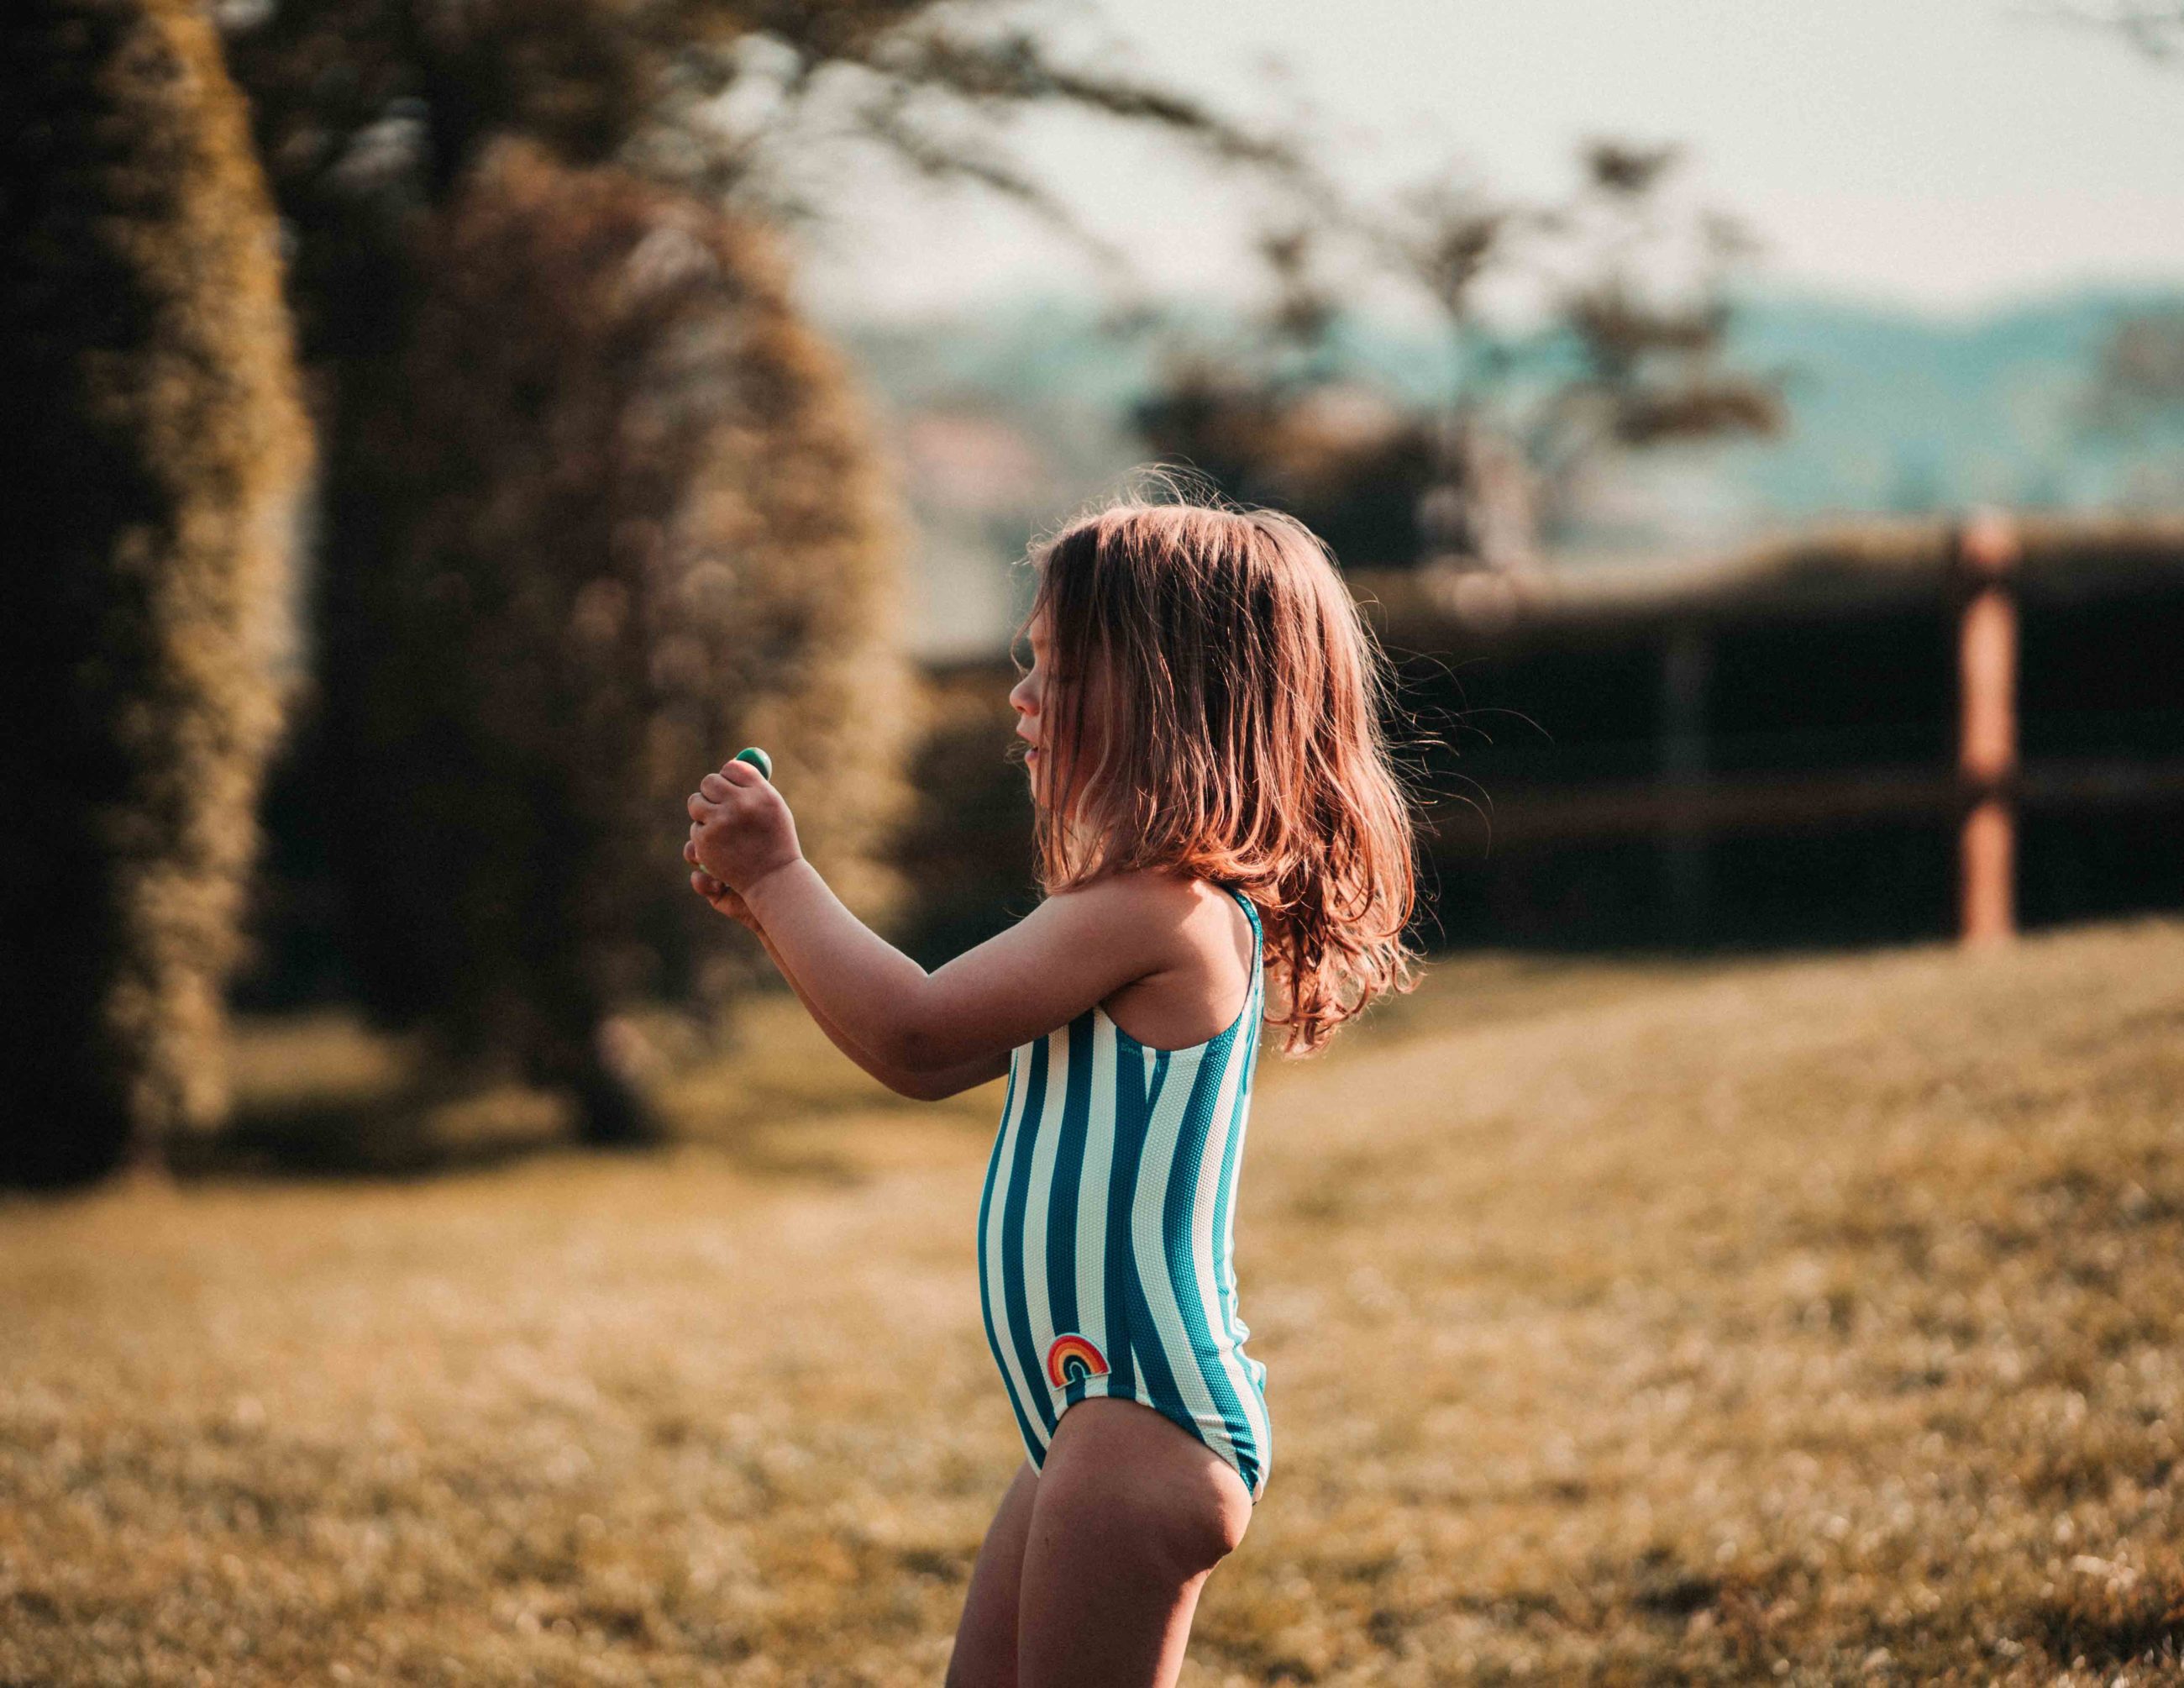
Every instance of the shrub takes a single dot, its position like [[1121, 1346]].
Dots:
[[618, 516], [156, 448]]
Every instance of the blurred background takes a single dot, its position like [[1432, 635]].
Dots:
[[441, 432]]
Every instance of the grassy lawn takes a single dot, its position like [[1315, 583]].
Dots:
[[1804, 1320]]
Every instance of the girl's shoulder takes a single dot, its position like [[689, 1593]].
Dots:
[[1164, 892], [1193, 922], [1178, 921], [1206, 946]]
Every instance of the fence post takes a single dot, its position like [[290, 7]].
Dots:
[[1987, 554]]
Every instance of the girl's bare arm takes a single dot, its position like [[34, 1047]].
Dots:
[[924, 1087], [1074, 950]]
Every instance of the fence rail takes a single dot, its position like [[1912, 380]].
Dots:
[[1792, 802]]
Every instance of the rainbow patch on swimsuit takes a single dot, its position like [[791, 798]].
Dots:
[[1073, 1358]]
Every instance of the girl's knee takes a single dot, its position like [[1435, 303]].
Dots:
[[1182, 1513], [1211, 1523], [1192, 1527]]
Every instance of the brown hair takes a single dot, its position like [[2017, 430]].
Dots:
[[1239, 739]]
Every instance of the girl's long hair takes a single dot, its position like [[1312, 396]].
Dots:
[[1235, 699]]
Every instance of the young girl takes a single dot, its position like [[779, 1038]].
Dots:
[[1208, 775]]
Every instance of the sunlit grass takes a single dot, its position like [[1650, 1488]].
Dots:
[[1813, 1320]]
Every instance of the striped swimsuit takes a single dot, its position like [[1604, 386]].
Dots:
[[1107, 1226]]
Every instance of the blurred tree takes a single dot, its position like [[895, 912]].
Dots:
[[369, 112], [1623, 364], [1475, 505], [156, 448], [637, 520], [2137, 394], [1342, 458], [2136, 397], [1277, 422], [2140, 379], [499, 813], [1652, 356], [2154, 27]]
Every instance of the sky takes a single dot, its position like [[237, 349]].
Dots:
[[1945, 156]]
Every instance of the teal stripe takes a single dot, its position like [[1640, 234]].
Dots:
[[1231, 1158], [1135, 1098], [985, 1285], [1016, 1306], [1068, 1175], [1230, 1162], [1178, 1243]]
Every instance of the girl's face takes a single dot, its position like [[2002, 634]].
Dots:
[[1029, 699]]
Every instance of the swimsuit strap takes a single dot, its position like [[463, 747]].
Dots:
[[1258, 941], [1258, 934]]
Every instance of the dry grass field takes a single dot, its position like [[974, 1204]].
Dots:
[[1801, 1320]]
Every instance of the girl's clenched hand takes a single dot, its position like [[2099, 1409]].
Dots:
[[725, 901], [740, 828]]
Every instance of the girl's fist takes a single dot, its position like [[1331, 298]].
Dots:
[[740, 828], [724, 900]]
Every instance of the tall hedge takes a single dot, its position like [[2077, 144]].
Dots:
[[611, 515], [155, 448]]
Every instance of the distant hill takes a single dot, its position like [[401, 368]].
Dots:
[[1890, 409], [1903, 413]]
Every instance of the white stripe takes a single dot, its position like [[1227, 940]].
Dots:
[[1036, 1300], [1205, 1277], [992, 1244], [1229, 1242], [1161, 1142], [1092, 1189], [1254, 1405]]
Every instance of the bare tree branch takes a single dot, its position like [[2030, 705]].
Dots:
[[2154, 27]]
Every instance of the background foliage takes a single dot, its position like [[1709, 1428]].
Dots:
[[613, 511], [598, 506], [156, 452]]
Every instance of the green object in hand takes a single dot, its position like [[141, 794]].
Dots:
[[758, 759]]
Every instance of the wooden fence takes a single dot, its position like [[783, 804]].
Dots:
[[1888, 731]]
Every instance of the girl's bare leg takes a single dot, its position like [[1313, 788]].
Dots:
[[985, 1655], [1130, 1515]]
